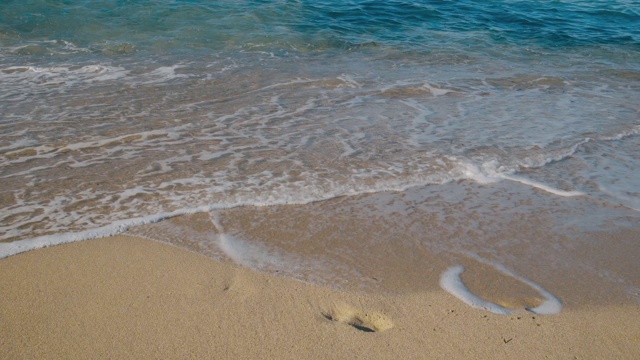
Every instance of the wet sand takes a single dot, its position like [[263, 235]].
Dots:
[[127, 297]]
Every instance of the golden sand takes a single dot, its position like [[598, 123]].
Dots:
[[126, 297]]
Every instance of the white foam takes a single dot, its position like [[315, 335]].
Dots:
[[17, 144], [475, 173], [163, 74], [59, 72], [347, 79], [451, 281], [71, 46], [623, 134], [48, 152], [543, 159], [541, 186], [219, 190], [436, 91], [241, 252], [246, 254], [488, 173], [118, 227], [282, 197], [551, 305]]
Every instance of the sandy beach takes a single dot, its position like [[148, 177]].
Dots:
[[319, 179], [126, 297]]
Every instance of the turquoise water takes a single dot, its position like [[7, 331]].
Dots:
[[204, 26], [115, 114]]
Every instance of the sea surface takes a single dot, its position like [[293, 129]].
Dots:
[[502, 132]]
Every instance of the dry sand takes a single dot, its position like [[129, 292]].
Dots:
[[126, 297]]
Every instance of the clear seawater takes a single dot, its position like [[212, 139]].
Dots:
[[116, 113]]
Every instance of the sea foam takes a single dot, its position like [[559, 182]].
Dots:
[[451, 281]]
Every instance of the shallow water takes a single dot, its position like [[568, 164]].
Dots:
[[118, 114]]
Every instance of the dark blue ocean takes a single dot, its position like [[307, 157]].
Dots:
[[466, 120]]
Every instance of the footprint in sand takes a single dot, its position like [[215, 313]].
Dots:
[[367, 321], [451, 281]]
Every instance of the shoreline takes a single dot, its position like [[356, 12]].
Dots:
[[267, 180], [125, 296]]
